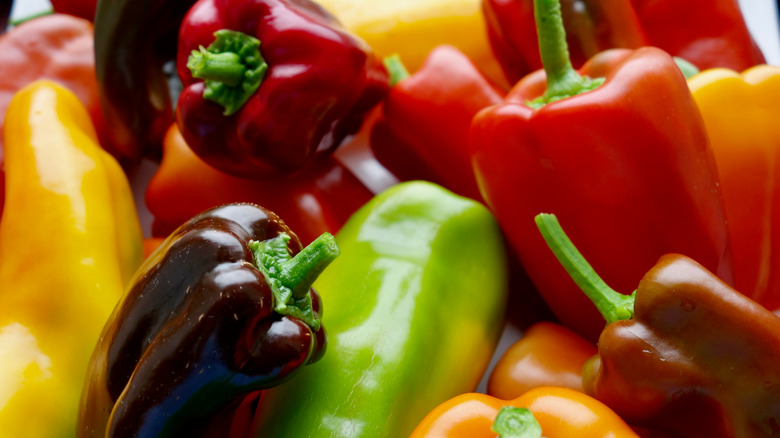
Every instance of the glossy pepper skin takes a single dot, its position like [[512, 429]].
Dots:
[[627, 167], [426, 276], [80, 8], [69, 243], [592, 26], [702, 355], [318, 83], [740, 112], [708, 33], [548, 354], [134, 40], [561, 413], [313, 202], [217, 311], [422, 132]]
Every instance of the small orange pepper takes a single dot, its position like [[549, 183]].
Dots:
[[561, 413], [548, 354]]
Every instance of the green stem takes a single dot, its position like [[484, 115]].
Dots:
[[514, 422], [562, 80], [223, 67], [231, 67], [612, 305], [395, 68], [291, 278]]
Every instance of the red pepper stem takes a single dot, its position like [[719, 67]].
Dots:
[[612, 305], [291, 278], [512, 422], [562, 80]]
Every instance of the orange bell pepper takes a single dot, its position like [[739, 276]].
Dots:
[[547, 354], [561, 412], [741, 112]]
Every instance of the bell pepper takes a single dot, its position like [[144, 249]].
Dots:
[[626, 165], [740, 114], [554, 412], [312, 202], [592, 26], [412, 29], [415, 308], [80, 8], [224, 307], [684, 353], [708, 33], [5, 14], [70, 241], [135, 53], [269, 85], [548, 354], [422, 132], [56, 47]]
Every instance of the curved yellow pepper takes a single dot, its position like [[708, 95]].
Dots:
[[69, 242], [412, 28], [741, 114]]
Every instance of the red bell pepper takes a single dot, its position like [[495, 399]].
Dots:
[[626, 166], [708, 33], [270, 84], [422, 132], [318, 200], [80, 8]]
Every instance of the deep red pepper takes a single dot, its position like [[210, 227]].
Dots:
[[422, 132], [708, 33], [592, 26], [626, 166], [80, 8], [684, 353], [312, 202], [299, 87]]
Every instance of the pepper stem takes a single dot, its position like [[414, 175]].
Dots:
[[562, 80], [396, 68], [612, 305], [232, 69], [291, 278], [512, 422]]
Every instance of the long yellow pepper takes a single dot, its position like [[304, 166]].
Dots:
[[69, 242], [412, 28], [742, 117]]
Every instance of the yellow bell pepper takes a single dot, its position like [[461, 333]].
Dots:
[[70, 240], [412, 28], [741, 114]]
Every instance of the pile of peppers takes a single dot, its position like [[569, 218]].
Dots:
[[346, 218]]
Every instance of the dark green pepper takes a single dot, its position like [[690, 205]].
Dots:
[[415, 309]]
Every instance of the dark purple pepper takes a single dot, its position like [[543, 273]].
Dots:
[[221, 309]]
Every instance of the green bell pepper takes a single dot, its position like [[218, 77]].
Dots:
[[414, 308]]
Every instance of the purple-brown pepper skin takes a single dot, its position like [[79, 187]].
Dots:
[[320, 83], [697, 358], [196, 331]]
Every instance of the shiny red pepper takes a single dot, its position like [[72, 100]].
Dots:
[[313, 202], [270, 84], [626, 166], [708, 33], [80, 8], [423, 130]]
